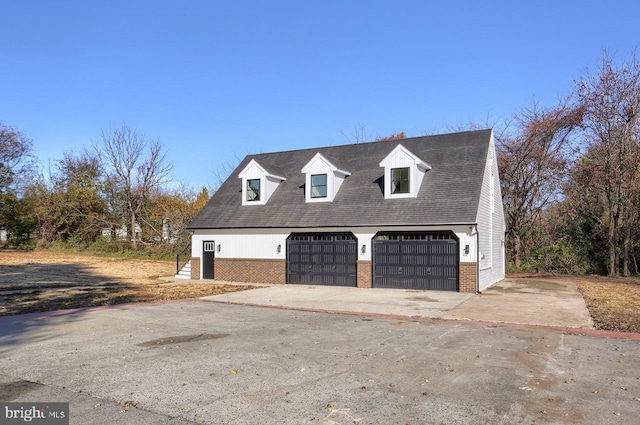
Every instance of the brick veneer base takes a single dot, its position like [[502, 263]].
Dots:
[[364, 274], [274, 272], [468, 277], [195, 268], [250, 270]]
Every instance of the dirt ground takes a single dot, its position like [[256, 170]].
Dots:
[[613, 302], [35, 281]]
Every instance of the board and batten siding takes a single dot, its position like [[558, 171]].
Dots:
[[263, 243], [491, 227], [402, 159], [335, 178]]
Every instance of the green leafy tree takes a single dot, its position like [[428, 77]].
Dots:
[[82, 211], [16, 166]]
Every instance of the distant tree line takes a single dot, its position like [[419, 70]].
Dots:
[[114, 195], [570, 176], [570, 180]]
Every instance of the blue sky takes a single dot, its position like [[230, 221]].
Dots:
[[217, 80]]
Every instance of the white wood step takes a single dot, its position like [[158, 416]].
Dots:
[[185, 272]]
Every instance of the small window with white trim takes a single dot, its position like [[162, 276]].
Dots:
[[403, 173], [323, 178], [253, 190], [319, 186], [400, 180]]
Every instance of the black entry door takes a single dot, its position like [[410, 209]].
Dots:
[[416, 261], [322, 259], [208, 251]]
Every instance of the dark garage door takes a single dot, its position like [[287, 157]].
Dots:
[[322, 259], [415, 261]]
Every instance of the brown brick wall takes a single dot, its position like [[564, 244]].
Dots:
[[195, 268], [364, 274], [468, 277], [250, 270], [274, 272]]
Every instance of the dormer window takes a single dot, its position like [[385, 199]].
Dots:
[[403, 173], [323, 178], [400, 180], [253, 190], [259, 181], [319, 186]]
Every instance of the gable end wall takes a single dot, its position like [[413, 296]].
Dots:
[[491, 225]]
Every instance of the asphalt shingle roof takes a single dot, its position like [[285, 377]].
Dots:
[[449, 194]]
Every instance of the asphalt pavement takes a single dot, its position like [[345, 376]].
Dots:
[[214, 362]]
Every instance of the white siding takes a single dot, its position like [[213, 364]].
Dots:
[[263, 243], [490, 225], [270, 186], [238, 244], [401, 158], [335, 178], [268, 183]]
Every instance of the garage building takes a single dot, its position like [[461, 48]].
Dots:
[[422, 213]]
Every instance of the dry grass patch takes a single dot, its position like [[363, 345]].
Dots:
[[614, 303], [46, 281], [78, 298]]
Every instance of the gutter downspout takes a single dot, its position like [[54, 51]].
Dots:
[[478, 261]]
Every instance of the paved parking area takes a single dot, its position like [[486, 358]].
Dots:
[[389, 302], [522, 301], [214, 363]]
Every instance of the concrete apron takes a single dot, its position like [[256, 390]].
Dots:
[[521, 301], [527, 301]]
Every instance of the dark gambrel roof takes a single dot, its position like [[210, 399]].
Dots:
[[449, 194]]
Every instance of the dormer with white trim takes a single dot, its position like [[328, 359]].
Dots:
[[259, 182], [403, 173], [323, 178]]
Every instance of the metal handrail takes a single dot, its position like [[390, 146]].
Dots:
[[185, 249]]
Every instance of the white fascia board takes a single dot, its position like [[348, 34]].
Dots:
[[401, 149], [326, 163], [258, 171]]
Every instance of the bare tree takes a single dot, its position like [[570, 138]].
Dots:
[[532, 162], [358, 136], [135, 167], [221, 174], [610, 97]]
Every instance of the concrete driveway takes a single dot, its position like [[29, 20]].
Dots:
[[522, 301]]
